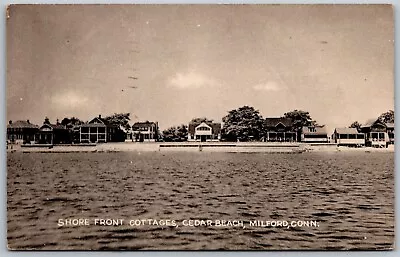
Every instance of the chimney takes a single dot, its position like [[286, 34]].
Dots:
[[28, 121], [58, 122], [10, 122], [99, 116]]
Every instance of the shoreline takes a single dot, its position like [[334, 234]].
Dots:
[[240, 147]]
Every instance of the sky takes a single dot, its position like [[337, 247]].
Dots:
[[171, 63]]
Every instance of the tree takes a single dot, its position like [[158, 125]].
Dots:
[[71, 122], [244, 124], [175, 134], [356, 125], [182, 132], [200, 120], [300, 119], [119, 119], [387, 117]]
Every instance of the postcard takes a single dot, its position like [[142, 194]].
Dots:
[[200, 127]]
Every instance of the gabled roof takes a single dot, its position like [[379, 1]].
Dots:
[[273, 122], [346, 131], [371, 122], [93, 125], [98, 120], [145, 124], [53, 126], [22, 124], [216, 127], [318, 131], [203, 124]]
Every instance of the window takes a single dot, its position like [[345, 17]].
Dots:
[[352, 136], [102, 130], [93, 130], [360, 136], [84, 129], [203, 129]]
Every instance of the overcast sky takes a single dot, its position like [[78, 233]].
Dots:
[[193, 61]]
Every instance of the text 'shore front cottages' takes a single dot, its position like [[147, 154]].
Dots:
[[98, 130], [144, 132], [377, 133], [279, 130], [21, 132], [204, 131], [314, 134], [348, 137]]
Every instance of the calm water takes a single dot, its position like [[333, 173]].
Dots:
[[350, 195]]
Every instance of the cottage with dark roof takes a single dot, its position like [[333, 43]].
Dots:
[[279, 130], [51, 134], [144, 132], [348, 137], [21, 131], [204, 131], [98, 130], [314, 134], [376, 133]]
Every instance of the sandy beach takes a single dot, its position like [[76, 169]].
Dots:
[[197, 147]]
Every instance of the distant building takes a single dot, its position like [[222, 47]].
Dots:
[[144, 132], [314, 134], [21, 132], [279, 130], [377, 133], [98, 130], [390, 131], [52, 134], [204, 131], [348, 137]]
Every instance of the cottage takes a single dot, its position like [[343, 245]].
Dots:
[[348, 137], [390, 131], [314, 134], [279, 130], [98, 130], [376, 133], [52, 134], [21, 132], [204, 131], [144, 132]]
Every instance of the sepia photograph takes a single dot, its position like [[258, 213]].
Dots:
[[200, 127]]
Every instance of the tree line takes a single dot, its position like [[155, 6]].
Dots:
[[244, 124], [247, 124], [119, 119], [386, 117]]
